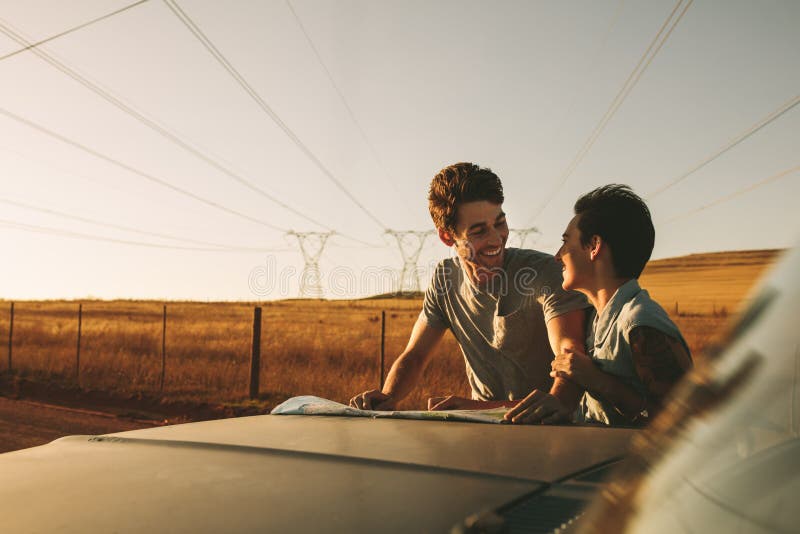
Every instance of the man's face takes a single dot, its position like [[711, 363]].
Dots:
[[574, 258], [480, 238]]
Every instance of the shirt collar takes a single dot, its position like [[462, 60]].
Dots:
[[603, 322]]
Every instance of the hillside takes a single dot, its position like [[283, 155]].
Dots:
[[710, 283]]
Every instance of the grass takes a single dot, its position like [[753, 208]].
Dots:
[[706, 284], [324, 348]]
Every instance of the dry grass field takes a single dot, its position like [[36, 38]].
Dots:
[[706, 284], [324, 348]]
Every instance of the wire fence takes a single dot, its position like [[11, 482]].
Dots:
[[218, 352], [233, 352]]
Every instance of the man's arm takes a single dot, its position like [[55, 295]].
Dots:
[[565, 333], [405, 371]]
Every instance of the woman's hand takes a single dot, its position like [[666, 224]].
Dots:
[[577, 367]]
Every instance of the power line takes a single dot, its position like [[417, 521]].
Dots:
[[150, 123], [91, 237], [598, 49], [347, 107], [149, 177], [735, 194], [126, 228], [206, 42], [71, 30], [95, 181], [786, 106], [634, 77], [136, 171]]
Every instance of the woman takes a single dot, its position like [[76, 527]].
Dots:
[[636, 353]]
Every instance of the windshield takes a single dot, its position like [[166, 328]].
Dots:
[[724, 455]]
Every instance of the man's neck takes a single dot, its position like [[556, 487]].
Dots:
[[488, 280]]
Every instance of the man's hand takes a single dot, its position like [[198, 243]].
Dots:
[[538, 407], [373, 399], [575, 366], [476, 273], [451, 402]]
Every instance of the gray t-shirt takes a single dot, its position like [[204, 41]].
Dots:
[[501, 329]]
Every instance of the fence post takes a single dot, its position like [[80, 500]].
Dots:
[[10, 335], [255, 357], [78, 346], [383, 345], [163, 349]]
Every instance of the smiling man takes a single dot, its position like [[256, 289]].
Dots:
[[505, 307]]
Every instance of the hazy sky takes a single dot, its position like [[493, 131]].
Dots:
[[376, 96]]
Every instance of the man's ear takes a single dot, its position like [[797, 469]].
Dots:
[[446, 237]]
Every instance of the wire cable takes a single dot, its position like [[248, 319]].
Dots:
[[149, 177], [72, 30], [347, 107], [133, 170], [599, 48], [735, 194], [209, 45], [91, 237], [634, 77], [124, 228], [139, 116], [150, 123], [786, 106]]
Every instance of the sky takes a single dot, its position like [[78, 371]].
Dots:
[[169, 150]]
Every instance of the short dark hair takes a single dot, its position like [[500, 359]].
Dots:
[[621, 218], [457, 184]]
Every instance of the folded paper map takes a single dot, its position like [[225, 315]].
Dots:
[[310, 405]]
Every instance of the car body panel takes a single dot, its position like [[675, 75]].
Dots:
[[531, 452], [290, 474]]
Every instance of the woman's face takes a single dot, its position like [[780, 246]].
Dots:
[[576, 265]]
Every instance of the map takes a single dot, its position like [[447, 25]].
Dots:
[[310, 405]]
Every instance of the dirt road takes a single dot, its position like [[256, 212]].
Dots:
[[27, 424]]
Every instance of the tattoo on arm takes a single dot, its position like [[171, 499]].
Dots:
[[660, 362]]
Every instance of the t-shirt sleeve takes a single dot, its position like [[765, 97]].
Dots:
[[554, 299], [432, 308]]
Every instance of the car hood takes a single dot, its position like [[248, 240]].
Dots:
[[291, 474]]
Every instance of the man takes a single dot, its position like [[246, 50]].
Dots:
[[636, 353], [502, 306]]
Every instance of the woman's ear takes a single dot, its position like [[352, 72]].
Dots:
[[595, 246], [446, 237]]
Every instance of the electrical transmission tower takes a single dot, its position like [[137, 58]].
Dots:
[[311, 245], [410, 244], [522, 234]]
